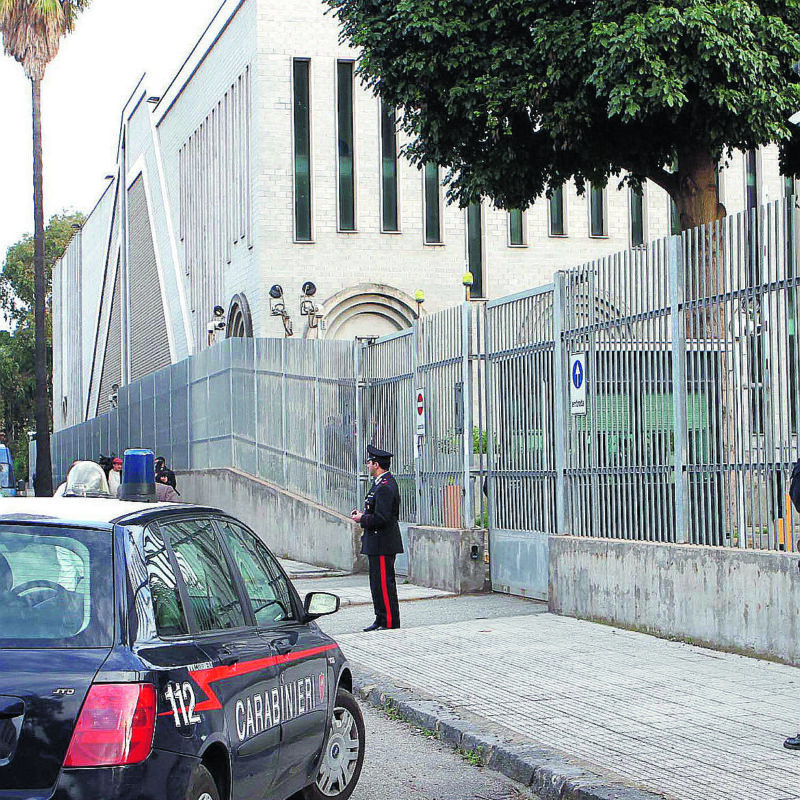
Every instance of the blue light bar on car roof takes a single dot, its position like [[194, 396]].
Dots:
[[138, 476]]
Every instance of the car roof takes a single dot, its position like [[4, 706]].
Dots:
[[83, 511]]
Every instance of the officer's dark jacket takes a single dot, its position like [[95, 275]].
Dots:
[[380, 521]]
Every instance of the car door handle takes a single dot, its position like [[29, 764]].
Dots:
[[229, 661], [283, 645], [12, 709]]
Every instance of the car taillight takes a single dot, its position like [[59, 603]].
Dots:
[[115, 726]]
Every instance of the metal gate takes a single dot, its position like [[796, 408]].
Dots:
[[521, 440]]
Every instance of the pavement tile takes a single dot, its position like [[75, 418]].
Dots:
[[661, 717]]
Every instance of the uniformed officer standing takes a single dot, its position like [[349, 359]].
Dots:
[[381, 540]]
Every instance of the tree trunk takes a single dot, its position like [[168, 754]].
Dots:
[[44, 471]]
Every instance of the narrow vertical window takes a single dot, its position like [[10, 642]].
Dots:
[[516, 228], [674, 218], [475, 247], [390, 221], [302, 152], [597, 215], [753, 222], [751, 179], [557, 227], [637, 218], [344, 107], [433, 224]]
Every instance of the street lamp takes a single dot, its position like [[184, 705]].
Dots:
[[467, 279]]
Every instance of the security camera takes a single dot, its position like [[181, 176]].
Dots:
[[276, 292], [309, 289], [219, 311]]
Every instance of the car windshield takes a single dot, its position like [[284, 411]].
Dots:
[[6, 476], [56, 587]]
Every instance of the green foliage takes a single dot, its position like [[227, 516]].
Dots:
[[478, 441], [516, 96], [17, 349]]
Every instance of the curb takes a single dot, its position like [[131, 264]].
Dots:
[[548, 773]]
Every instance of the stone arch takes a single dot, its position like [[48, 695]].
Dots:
[[367, 309], [240, 320]]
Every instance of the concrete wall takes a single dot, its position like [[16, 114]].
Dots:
[[741, 600], [442, 558], [291, 526]]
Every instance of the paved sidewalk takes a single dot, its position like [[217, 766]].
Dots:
[[353, 590], [594, 709]]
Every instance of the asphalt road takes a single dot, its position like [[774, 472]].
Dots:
[[402, 763]]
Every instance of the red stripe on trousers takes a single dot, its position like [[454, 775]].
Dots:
[[385, 587]]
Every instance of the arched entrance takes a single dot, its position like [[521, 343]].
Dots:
[[368, 309]]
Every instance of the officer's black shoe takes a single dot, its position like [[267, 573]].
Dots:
[[374, 627], [792, 743]]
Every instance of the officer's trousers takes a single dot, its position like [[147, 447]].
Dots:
[[383, 584]]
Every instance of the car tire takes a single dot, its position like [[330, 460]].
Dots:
[[201, 785], [343, 758]]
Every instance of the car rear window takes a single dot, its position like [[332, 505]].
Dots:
[[56, 587]]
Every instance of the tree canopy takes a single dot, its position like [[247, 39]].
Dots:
[[17, 347], [515, 97], [33, 29]]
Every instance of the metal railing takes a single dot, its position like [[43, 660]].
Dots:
[[688, 432]]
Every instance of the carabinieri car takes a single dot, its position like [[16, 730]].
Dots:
[[159, 651]]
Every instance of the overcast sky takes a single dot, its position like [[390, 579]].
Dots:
[[83, 93]]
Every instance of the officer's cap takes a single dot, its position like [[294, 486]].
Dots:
[[381, 456]]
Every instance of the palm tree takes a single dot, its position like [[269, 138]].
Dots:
[[32, 32]]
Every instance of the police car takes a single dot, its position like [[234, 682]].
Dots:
[[159, 651]]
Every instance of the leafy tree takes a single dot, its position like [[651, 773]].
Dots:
[[32, 32], [517, 96], [17, 347]]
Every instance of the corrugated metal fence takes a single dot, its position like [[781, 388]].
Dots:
[[687, 358]]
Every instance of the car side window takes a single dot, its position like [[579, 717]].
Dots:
[[264, 583], [167, 607], [209, 583]]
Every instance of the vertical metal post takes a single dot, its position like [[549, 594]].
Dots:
[[284, 416], [316, 344], [468, 517], [360, 348], [560, 379], [678, 318], [419, 442], [591, 391], [491, 456]]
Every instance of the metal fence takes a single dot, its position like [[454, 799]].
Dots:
[[688, 431], [691, 428], [279, 409]]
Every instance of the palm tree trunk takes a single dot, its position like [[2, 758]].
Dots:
[[44, 472]]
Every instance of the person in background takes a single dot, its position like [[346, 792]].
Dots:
[[115, 476], [165, 487]]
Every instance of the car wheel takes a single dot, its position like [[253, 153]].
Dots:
[[201, 785], [343, 758]]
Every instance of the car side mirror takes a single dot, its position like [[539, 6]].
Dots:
[[320, 604]]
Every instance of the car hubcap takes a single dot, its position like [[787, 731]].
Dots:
[[341, 755]]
